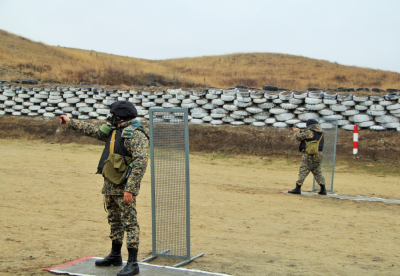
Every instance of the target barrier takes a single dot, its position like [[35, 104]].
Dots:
[[330, 129], [170, 184]]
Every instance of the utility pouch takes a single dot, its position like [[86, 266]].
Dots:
[[105, 129], [115, 168], [312, 147]]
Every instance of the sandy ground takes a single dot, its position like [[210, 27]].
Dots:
[[52, 212]]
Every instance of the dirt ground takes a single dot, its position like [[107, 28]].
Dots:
[[52, 212]]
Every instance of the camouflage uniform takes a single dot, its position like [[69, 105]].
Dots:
[[310, 163], [122, 216]]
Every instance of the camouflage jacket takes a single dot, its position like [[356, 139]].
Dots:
[[136, 143], [307, 133]]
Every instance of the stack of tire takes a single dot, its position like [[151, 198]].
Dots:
[[234, 106]]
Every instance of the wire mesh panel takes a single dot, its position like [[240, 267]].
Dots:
[[330, 128], [169, 146]]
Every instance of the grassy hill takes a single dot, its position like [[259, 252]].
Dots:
[[21, 58]]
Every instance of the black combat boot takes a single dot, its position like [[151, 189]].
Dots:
[[322, 191], [114, 258], [132, 267], [296, 191]]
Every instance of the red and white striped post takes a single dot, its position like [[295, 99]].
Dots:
[[355, 140]]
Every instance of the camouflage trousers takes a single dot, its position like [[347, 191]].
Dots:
[[122, 217], [311, 163]]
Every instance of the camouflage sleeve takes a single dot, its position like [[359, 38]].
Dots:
[[138, 146], [302, 135], [87, 129]]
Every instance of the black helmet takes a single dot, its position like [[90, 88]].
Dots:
[[311, 122], [124, 110]]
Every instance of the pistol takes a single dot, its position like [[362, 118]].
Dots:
[[59, 114]]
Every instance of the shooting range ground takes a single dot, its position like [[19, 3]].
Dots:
[[52, 212]]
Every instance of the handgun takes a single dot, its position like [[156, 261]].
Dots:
[[59, 114]]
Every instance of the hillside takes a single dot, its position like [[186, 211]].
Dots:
[[21, 58]]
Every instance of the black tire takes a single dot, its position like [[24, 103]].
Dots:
[[239, 86], [363, 89], [376, 90], [151, 83], [30, 82], [270, 88]]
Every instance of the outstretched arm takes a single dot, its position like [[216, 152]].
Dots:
[[83, 127]]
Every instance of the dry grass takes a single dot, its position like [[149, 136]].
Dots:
[[21, 58]]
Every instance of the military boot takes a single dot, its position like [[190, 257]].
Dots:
[[132, 267], [114, 258], [322, 191], [296, 191]]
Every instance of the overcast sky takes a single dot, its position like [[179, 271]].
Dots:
[[362, 33]]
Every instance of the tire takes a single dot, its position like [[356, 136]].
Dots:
[[259, 101], [261, 116], [237, 123], [348, 127], [216, 122], [240, 86], [230, 107], [315, 106], [386, 119], [300, 94], [284, 117], [391, 125], [258, 124], [286, 95], [360, 99], [393, 106], [277, 111], [377, 128], [218, 102], [326, 125], [367, 124], [326, 112], [301, 125], [344, 97], [315, 94], [392, 96], [330, 101], [279, 125], [271, 95], [376, 107], [296, 101], [338, 107], [343, 122], [197, 121], [270, 121], [292, 121], [376, 113], [227, 98], [241, 113], [350, 112], [288, 106], [360, 118], [270, 88], [313, 100], [360, 107], [254, 110], [266, 105], [304, 117], [330, 95]]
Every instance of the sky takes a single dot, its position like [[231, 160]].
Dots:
[[363, 33]]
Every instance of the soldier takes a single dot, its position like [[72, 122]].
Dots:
[[310, 163], [122, 164]]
